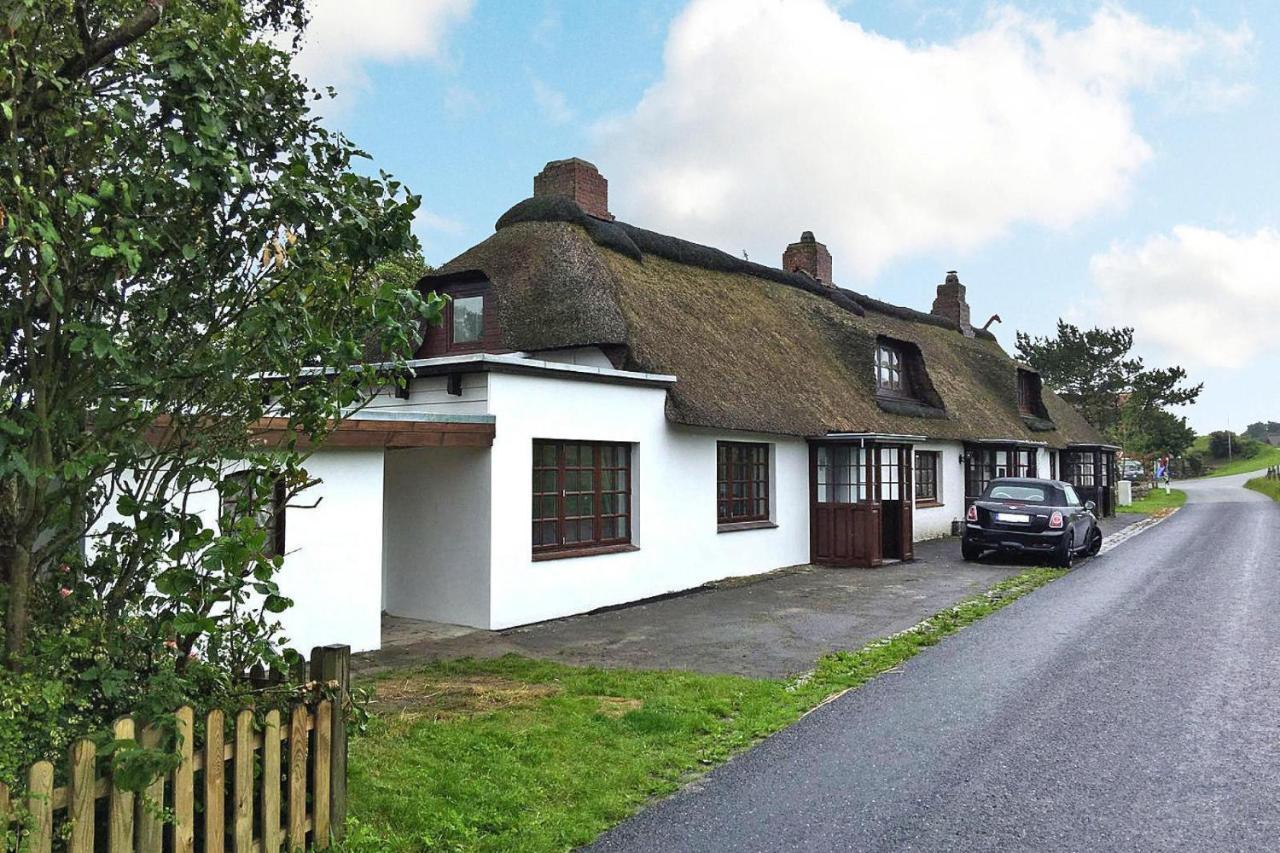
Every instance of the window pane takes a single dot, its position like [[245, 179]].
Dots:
[[468, 319]]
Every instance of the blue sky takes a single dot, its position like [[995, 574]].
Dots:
[[1111, 164]]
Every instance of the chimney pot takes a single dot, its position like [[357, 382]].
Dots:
[[810, 257], [950, 303], [577, 180]]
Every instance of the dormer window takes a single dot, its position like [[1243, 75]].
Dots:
[[891, 377], [467, 320], [1030, 399], [470, 322], [1026, 393]]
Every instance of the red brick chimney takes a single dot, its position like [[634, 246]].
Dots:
[[950, 303], [578, 180], [808, 256]]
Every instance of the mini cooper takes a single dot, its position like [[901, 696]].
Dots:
[[1027, 516]]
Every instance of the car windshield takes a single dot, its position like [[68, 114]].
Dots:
[[1021, 494]]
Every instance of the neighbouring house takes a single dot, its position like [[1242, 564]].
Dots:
[[609, 414]]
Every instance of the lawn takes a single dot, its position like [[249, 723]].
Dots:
[[1155, 501], [1270, 488], [518, 754], [1266, 458]]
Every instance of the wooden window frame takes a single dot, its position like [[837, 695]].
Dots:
[[465, 291], [758, 484], [1029, 394], [891, 360], [933, 470], [597, 543], [276, 507]]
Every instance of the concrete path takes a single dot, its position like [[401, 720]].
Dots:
[[1131, 705], [767, 626]]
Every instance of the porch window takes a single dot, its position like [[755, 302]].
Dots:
[[1024, 462], [927, 476], [742, 482], [841, 474], [237, 499], [1079, 469], [581, 495], [890, 378]]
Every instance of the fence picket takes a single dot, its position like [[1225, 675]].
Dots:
[[80, 784], [137, 822], [184, 788], [321, 766], [215, 784], [332, 665], [40, 804], [298, 780], [244, 782], [150, 820], [271, 782], [120, 808]]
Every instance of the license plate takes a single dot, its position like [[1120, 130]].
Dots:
[[1015, 517]]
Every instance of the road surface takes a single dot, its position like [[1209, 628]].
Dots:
[[1131, 705]]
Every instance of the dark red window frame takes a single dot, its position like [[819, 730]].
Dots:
[[742, 482], [271, 514], [581, 496], [1027, 393], [463, 291], [927, 464]]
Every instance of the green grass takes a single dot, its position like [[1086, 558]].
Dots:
[[1267, 457], [1156, 500], [517, 754], [1270, 488]]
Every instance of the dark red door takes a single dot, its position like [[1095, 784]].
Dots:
[[845, 513]]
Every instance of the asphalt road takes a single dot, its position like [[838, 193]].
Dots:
[[1131, 705]]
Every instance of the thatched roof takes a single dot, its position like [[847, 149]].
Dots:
[[755, 348]]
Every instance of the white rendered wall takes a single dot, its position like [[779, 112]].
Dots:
[[589, 356], [431, 394], [436, 534], [333, 553], [674, 501], [935, 522]]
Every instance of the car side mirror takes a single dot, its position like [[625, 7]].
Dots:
[[1090, 505]]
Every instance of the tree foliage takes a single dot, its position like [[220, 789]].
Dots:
[[1260, 430], [1095, 371], [175, 225]]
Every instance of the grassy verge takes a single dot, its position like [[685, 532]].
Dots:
[[1266, 458], [530, 755], [1270, 488], [1156, 501]]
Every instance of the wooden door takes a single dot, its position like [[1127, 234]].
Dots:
[[844, 523], [907, 529]]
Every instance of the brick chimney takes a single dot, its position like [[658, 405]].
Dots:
[[578, 180], [809, 256], [950, 303]]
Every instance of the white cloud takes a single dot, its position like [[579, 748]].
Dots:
[[774, 117], [343, 36], [1203, 295], [551, 102], [426, 220]]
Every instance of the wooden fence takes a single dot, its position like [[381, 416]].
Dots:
[[288, 784]]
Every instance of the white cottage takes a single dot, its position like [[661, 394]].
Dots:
[[608, 414]]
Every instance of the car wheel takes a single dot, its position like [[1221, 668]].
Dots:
[[970, 552], [1065, 558], [1095, 542]]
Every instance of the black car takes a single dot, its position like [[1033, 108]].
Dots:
[[1023, 515]]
